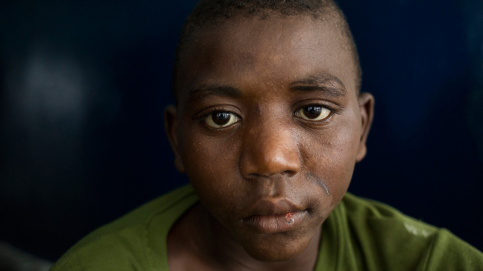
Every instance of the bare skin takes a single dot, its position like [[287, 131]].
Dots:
[[268, 128]]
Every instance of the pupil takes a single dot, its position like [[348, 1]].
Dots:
[[221, 118], [312, 111]]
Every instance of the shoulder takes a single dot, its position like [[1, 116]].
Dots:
[[135, 241], [103, 253], [387, 238]]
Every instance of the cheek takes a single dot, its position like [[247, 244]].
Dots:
[[211, 166], [332, 157]]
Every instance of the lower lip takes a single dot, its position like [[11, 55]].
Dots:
[[275, 223]]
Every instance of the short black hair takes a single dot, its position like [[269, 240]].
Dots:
[[215, 12]]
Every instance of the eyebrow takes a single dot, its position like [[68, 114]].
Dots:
[[205, 91], [326, 83]]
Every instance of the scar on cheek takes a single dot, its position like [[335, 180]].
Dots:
[[289, 218], [315, 179]]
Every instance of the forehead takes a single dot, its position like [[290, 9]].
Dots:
[[274, 50]]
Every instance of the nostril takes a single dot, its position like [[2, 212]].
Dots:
[[288, 172], [274, 176]]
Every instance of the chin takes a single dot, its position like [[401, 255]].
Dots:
[[273, 251]]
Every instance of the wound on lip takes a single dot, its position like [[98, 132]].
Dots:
[[289, 218]]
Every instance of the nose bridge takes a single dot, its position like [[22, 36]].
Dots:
[[269, 148]]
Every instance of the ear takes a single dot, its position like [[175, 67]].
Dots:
[[171, 129], [366, 105]]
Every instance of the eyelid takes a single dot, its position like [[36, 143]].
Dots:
[[207, 110], [329, 112], [202, 115], [206, 119]]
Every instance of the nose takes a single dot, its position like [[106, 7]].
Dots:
[[268, 150]]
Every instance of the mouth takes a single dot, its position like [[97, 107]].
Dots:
[[269, 216], [275, 223]]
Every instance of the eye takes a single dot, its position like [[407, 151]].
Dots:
[[220, 119], [313, 113]]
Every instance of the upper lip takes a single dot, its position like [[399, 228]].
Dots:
[[268, 207]]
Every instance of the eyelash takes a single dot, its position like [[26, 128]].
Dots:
[[203, 116], [325, 112], [297, 114], [232, 119]]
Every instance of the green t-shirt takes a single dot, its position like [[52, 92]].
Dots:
[[359, 234]]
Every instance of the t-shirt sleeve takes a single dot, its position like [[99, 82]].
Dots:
[[382, 238], [84, 260], [136, 241], [451, 253], [110, 252]]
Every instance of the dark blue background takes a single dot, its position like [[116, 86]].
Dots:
[[83, 87]]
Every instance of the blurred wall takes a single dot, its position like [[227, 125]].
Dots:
[[83, 87]]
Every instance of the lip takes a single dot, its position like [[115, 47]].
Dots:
[[275, 216]]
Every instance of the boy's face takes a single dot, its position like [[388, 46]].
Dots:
[[269, 127]]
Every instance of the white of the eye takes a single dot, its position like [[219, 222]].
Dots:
[[324, 113], [209, 120]]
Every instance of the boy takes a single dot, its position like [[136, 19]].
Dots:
[[268, 126]]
